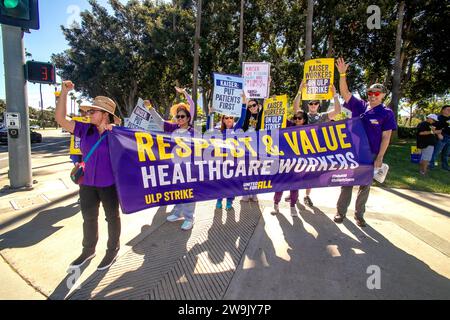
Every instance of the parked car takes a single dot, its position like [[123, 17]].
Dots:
[[35, 127], [34, 136]]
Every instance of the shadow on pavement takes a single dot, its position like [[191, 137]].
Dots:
[[38, 228], [175, 264]]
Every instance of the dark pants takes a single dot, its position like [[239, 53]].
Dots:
[[90, 198], [279, 194], [346, 196]]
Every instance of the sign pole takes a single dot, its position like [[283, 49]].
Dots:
[[19, 148]]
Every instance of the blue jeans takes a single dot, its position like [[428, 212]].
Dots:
[[186, 209], [442, 147]]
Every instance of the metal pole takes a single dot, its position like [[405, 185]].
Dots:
[[241, 33], [19, 149], [42, 106], [196, 54]]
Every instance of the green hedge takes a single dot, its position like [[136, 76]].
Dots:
[[407, 132]]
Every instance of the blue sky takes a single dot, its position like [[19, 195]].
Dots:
[[47, 40]]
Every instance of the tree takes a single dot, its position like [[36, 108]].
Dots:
[[398, 61], [128, 54], [2, 107]]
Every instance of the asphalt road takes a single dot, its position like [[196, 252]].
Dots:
[[53, 143]]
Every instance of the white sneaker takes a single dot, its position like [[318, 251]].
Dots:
[[187, 225], [276, 208], [174, 217], [254, 197], [294, 212], [246, 198]]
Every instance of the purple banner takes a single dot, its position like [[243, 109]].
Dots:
[[153, 169]]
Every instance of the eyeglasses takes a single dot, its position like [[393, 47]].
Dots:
[[180, 116], [252, 105], [373, 93], [297, 118], [92, 111], [313, 103], [226, 118]]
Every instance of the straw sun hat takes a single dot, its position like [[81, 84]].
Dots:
[[104, 104]]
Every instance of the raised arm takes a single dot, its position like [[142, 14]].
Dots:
[[337, 104], [343, 87], [241, 120], [298, 97], [61, 107], [190, 102]]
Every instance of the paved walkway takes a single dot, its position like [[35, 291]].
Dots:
[[245, 253]]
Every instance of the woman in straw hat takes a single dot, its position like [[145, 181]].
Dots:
[[98, 182]]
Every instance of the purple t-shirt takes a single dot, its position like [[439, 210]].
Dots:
[[375, 120], [98, 171], [171, 127]]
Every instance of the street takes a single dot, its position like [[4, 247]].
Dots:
[[54, 143]]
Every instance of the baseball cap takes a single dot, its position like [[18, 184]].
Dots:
[[433, 116], [378, 86]]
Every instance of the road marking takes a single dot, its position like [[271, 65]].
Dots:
[[41, 146], [49, 144]]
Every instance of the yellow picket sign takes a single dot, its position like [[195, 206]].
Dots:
[[75, 141], [318, 75], [274, 113]]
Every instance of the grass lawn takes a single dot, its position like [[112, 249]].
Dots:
[[404, 174]]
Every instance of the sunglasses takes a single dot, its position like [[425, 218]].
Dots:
[[313, 103], [92, 111], [297, 118], [373, 93], [252, 105], [226, 118], [180, 116]]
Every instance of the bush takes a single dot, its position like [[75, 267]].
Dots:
[[407, 132]]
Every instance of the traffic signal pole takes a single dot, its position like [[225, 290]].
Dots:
[[19, 148]]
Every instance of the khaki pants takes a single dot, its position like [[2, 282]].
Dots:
[[346, 196]]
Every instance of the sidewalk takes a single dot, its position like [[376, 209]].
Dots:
[[246, 253]]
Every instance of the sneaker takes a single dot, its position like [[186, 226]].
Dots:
[[246, 198], [82, 259], [229, 205], [339, 218], [187, 225], [360, 222], [219, 204], [108, 260], [254, 197], [307, 201], [276, 209], [174, 217], [287, 199], [294, 212]]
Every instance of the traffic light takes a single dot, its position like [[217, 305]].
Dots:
[[20, 13], [40, 72]]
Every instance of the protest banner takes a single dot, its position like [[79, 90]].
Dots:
[[274, 113], [256, 79], [227, 94], [75, 141], [318, 76], [142, 119], [153, 169]]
